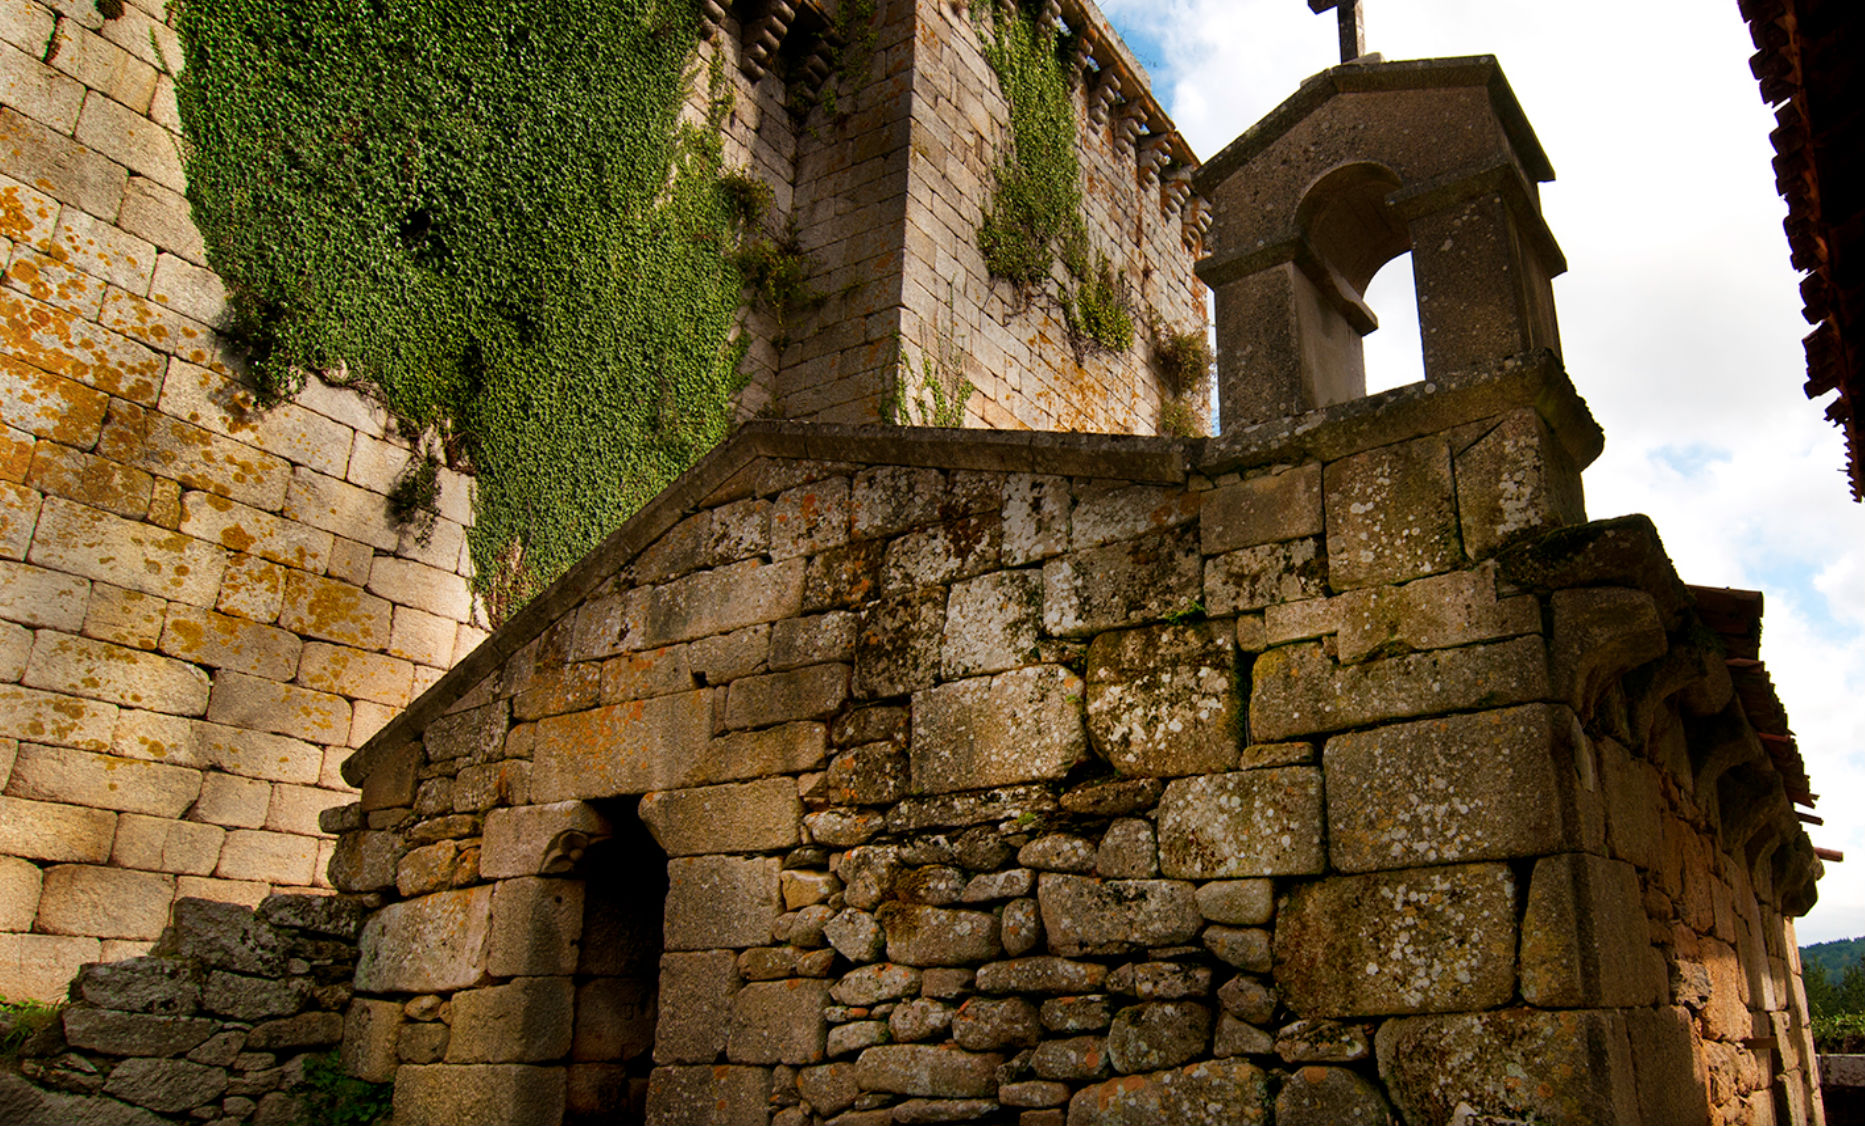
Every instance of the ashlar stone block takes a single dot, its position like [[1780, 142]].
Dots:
[[1584, 936], [92, 902], [992, 623], [1267, 575], [432, 944], [779, 1022], [520, 839], [696, 992], [1391, 515], [48, 717], [1147, 578], [1019, 726], [39, 966], [19, 893], [1520, 1064], [80, 666], [526, 1021], [479, 1093], [715, 902], [1424, 940], [84, 541], [1268, 509], [536, 925], [743, 817], [55, 832], [1296, 690], [1166, 700], [678, 1096], [898, 644], [812, 692], [1482, 786], [1515, 479], [59, 774], [627, 748], [1248, 823], [158, 844]]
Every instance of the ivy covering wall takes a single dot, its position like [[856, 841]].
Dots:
[[490, 213], [1035, 213]]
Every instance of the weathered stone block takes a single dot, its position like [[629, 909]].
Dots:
[[628, 748], [1425, 940], [810, 518], [1019, 726], [1255, 577], [371, 1031], [647, 673], [678, 1096], [1600, 633], [1483, 786], [55, 832], [935, 936], [1166, 700], [58, 774], [1082, 915], [48, 717], [991, 624], [166, 1086], [1432, 613], [250, 999], [39, 966], [1216, 1093], [474, 734], [956, 549], [1078, 1057], [814, 692], [916, 1069], [1521, 1064], [1668, 1063], [1515, 479], [479, 1093], [897, 646], [79, 666], [1269, 509], [528, 1020], [790, 749], [335, 611], [19, 894], [1158, 1034], [1584, 937], [1129, 850], [711, 602], [1330, 1096], [264, 857], [615, 1019], [696, 992], [369, 676], [84, 541], [1296, 690], [741, 817], [34, 596], [106, 903], [428, 945], [141, 985], [814, 640], [778, 1022], [1244, 903], [721, 901], [1391, 515], [1122, 584], [158, 844], [519, 840], [1250, 823], [536, 924], [247, 702]]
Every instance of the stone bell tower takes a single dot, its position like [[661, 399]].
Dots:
[[1369, 160]]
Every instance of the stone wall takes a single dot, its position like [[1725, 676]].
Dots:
[[217, 1024], [883, 187], [1319, 771], [203, 608]]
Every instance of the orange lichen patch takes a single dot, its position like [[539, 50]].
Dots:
[[89, 479], [26, 216], [165, 329], [15, 454], [335, 611], [56, 341]]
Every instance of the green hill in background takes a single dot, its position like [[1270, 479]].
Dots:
[[1832, 958]]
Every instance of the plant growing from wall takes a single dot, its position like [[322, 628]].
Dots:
[[492, 215], [1034, 217]]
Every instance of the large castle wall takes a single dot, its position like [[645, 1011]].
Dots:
[[1291, 777], [203, 609]]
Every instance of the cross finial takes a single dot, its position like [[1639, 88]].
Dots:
[[1352, 26]]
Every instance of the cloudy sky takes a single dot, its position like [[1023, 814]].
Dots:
[[1680, 315]]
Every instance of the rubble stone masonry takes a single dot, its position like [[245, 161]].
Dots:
[[1328, 770]]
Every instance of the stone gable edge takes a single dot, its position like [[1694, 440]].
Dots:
[[1534, 379]]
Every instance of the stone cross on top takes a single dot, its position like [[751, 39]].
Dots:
[[1352, 26]]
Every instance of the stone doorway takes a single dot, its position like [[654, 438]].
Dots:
[[618, 971]]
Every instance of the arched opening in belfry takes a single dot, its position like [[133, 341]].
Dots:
[[1349, 237], [624, 879], [1395, 354]]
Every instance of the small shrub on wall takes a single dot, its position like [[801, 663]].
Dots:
[[491, 214]]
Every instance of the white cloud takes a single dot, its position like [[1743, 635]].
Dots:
[[1679, 316]]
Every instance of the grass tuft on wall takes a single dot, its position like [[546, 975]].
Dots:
[[491, 214]]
